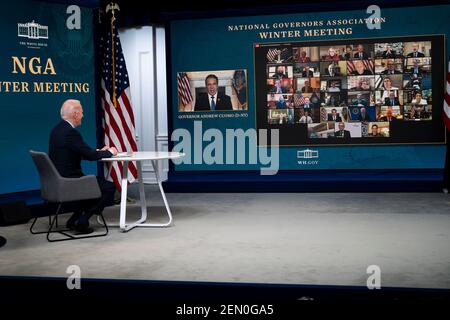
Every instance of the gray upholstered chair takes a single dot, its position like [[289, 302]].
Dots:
[[59, 190]]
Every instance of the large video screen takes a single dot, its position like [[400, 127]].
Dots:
[[365, 91], [330, 89]]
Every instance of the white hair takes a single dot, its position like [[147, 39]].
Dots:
[[68, 107]]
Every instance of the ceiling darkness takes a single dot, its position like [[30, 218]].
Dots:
[[144, 12]]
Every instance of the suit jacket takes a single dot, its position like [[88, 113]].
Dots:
[[202, 102], [67, 149], [366, 117], [419, 55], [389, 72], [365, 56], [345, 134], [387, 102], [338, 118]]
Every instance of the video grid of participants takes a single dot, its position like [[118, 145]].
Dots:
[[347, 91]]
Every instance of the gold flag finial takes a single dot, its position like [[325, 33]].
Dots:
[[112, 6]]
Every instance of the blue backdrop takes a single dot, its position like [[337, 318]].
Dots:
[[27, 116]]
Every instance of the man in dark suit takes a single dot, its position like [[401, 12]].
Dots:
[[392, 100], [334, 116], [66, 150], [363, 115], [415, 52], [307, 73], [389, 116], [390, 68], [361, 55], [342, 133], [212, 100], [389, 52], [280, 73]]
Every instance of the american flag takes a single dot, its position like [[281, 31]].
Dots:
[[446, 110], [378, 82], [368, 64], [298, 100], [272, 54], [279, 55], [184, 88], [118, 119]]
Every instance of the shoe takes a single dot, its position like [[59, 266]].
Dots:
[[82, 229], [2, 241], [70, 224]]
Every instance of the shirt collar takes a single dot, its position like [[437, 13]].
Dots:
[[69, 123]]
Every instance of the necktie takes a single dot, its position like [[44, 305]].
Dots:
[[392, 102], [213, 104], [415, 54], [360, 55]]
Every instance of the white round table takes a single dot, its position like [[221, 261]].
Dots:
[[138, 157]]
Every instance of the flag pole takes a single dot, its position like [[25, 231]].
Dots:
[[113, 7]]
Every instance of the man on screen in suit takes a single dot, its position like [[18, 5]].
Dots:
[[415, 52], [392, 100], [361, 55], [307, 73], [363, 115], [66, 150], [390, 68], [389, 117], [212, 100], [342, 133], [334, 116], [389, 52]]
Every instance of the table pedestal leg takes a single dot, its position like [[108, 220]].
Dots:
[[123, 203]]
